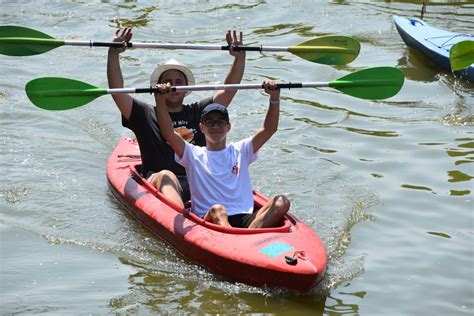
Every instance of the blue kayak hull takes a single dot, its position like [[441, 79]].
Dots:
[[434, 43]]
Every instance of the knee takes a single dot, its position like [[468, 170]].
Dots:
[[217, 214], [164, 177], [167, 176], [218, 210], [282, 204]]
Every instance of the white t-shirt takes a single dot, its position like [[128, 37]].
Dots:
[[220, 177]]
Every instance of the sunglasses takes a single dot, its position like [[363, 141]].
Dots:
[[212, 123]]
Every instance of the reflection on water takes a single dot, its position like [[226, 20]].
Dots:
[[468, 155], [416, 66], [336, 306], [350, 129], [140, 21], [458, 176], [464, 155], [284, 29], [416, 187], [459, 192], [440, 234], [155, 291], [230, 6], [321, 150]]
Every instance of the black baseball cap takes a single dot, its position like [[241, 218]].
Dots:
[[214, 107]]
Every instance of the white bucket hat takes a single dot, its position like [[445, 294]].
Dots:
[[172, 64]]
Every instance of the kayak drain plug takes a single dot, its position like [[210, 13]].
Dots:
[[291, 260]]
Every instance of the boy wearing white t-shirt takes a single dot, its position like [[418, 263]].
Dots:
[[218, 174]]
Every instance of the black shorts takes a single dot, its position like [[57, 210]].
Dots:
[[242, 220], [185, 194]]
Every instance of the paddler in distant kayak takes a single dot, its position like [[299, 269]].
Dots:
[[158, 164], [218, 174]]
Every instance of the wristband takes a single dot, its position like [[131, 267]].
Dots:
[[275, 102]]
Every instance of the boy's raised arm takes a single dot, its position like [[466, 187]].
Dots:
[[164, 121], [236, 72], [114, 73], [270, 125]]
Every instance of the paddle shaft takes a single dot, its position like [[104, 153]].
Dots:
[[48, 42], [219, 87], [55, 93], [261, 48], [329, 50]]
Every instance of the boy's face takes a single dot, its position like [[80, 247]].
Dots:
[[215, 126], [174, 78]]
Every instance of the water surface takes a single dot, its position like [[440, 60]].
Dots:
[[388, 185]]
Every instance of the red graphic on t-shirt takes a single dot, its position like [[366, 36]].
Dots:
[[235, 169]]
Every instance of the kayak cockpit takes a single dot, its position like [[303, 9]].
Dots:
[[285, 226], [259, 199]]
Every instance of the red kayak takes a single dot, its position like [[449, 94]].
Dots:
[[290, 256]]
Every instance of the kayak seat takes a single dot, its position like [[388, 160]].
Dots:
[[259, 199], [286, 226]]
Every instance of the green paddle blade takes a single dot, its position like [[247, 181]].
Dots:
[[329, 50], [461, 55], [373, 83], [22, 41], [52, 93]]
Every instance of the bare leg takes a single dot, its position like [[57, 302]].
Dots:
[[168, 184], [217, 214], [271, 213]]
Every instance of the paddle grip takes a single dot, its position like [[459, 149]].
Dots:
[[244, 48], [146, 90], [289, 85], [110, 44]]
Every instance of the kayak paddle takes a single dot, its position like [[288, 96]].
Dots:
[[53, 93], [461, 55], [330, 50]]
